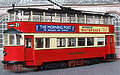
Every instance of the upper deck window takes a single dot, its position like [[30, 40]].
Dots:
[[19, 15], [97, 19], [62, 18], [81, 19], [89, 19], [72, 18]]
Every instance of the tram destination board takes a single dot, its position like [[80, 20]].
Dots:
[[55, 28]]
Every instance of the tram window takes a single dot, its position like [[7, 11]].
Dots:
[[111, 40], [90, 19], [39, 42], [71, 42], [28, 43], [37, 18], [81, 19], [100, 41], [11, 40], [63, 18], [102, 19], [106, 40], [106, 20], [26, 17], [48, 17], [47, 42], [57, 19], [81, 41], [90, 41], [19, 15], [11, 17], [54, 19], [18, 39], [61, 42], [97, 19], [72, 19]]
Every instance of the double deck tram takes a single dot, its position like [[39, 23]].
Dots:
[[55, 38]]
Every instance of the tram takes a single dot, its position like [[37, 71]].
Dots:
[[56, 38]]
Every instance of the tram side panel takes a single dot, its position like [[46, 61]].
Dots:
[[52, 55], [13, 54]]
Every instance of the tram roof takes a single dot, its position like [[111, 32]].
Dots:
[[12, 30], [60, 11]]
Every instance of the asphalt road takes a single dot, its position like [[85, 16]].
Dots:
[[108, 68]]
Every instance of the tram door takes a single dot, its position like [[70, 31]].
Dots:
[[109, 41], [29, 48], [112, 45]]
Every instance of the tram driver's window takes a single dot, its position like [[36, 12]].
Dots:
[[28, 43], [18, 39], [90, 41], [39, 42], [11, 40]]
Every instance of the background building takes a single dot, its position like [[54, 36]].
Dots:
[[110, 6]]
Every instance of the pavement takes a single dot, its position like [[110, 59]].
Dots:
[[107, 68]]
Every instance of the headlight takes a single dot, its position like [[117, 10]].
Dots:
[[4, 53]]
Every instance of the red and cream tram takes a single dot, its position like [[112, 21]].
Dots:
[[40, 39]]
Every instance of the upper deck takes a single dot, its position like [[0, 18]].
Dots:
[[59, 16]]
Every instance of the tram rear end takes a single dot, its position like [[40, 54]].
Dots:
[[13, 50]]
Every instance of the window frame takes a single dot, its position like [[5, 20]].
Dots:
[[103, 41], [71, 41], [81, 41], [47, 42], [15, 40], [31, 43], [62, 42], [18, 39], [44, 42], [88, 42], [10, 40]]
